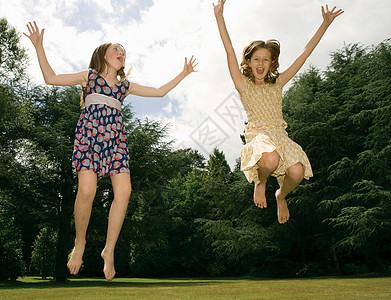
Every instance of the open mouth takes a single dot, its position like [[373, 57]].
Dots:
[[260, 71], [121, 59]]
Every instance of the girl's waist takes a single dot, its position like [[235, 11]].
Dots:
[[265, 126], [102, 99]]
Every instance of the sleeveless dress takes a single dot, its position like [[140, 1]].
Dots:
[[100, 140], [266, 132]]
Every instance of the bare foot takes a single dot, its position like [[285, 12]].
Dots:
[[282, 208], [108, 268], [75, 261], [259, 195]]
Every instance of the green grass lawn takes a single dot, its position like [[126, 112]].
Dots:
[[233, 288]]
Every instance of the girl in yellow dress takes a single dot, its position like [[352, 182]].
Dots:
[[268, 149]]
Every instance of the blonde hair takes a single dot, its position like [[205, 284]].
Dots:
[[99, 64], [274, 48]]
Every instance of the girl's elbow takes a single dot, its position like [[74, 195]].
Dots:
[[161, 93], [49, 82]]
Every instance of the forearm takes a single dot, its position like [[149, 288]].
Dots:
[[224, 35], [146, 91], [314, 41], [233, 65], [52, 78], [304, 54], [47, 71], [164, 89]]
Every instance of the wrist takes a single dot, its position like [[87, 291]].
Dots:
[[183, 74], [325, 24], [219, 17], [38, 47]]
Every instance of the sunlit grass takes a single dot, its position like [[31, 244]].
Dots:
[[237, 288]]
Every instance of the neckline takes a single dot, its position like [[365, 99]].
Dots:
[[259, 86], [110, 86], [268, 84]]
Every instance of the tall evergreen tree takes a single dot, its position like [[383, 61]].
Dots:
[[13, 58]]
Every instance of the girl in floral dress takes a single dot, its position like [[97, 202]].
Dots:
[[100, 147]]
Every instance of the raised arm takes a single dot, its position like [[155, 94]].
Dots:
[[36, 38], [234, 70], [328, 18], [146, 91]]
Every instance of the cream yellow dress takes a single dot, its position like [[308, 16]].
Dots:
[[266, 132]]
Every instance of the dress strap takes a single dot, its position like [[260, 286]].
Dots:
[[102, 99]]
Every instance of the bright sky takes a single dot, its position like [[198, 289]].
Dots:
[[204, 111]]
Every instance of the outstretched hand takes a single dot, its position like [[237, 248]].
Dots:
[[218, 8], [35, 36], [330, 15], [189, 66]]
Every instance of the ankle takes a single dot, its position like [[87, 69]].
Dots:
[[262, 182], [107, 252], [279, 196], [80, 242]]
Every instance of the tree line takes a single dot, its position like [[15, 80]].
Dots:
[[193, 216]]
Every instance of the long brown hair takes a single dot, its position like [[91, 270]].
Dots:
[[99, 64], [274, 47]]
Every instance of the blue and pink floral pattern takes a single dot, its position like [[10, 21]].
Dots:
[[100, 139]]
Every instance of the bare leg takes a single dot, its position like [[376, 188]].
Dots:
[[266, 165], [83, 205], [293, 177], [122, 189]]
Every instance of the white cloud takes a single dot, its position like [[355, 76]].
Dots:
[[166, 31]]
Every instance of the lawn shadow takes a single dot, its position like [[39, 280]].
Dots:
[[92, 282]]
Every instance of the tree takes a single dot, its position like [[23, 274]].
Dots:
[[11, 260], [216, 185], [56, 113], [15, 121], [43, 257], [347, 138], [151, 227], [13, 58]]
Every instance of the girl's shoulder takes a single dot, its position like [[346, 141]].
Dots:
[[246, 86], [126, 83], [92, 71], [278, 82], [247, 82], [92, 74]]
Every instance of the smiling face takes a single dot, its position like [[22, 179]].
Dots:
[[260, 63], [115, 56]]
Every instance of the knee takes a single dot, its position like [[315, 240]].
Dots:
[[123, 192], [86, 192], [269, 161], [86, 189], [296, 172]]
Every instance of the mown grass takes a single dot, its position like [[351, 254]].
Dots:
[[232, 288]]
